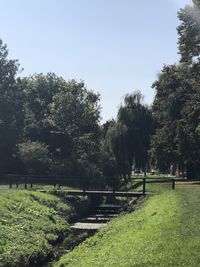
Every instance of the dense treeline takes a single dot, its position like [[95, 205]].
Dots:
[[176, 106], [166, 136], [49, 125]]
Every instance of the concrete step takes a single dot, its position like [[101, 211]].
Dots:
[[87, 226], [95, 219]]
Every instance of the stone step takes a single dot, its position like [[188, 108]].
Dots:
[[108, 207], [87, 226], [105, 211], [95, 219]]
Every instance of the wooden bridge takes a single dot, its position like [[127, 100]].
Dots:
[[105, 193]]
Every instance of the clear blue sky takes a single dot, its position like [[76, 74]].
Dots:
[[115, 46]]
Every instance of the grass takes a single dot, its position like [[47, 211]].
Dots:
[[158, 187], [30, 223], [164, 232]]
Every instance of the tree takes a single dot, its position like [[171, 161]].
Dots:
[[189, 32], [169, 100], [176, 110], [65, 116], [176, 104], [76, 114], [129, 138], [116, 138], [138, 119], [39, 91], [11, 118]]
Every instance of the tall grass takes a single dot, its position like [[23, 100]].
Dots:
[[30, 223]]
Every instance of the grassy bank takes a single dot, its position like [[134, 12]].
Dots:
[[164, 232], [30, 224]]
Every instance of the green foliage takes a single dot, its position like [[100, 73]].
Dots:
[[176, 105], [65, 116], [189, 32], [108, 163], [117, 139], [10, 109], [35, 156], [47, 123], [30, 223], [109, 169], [164, 232], [39, 91], [176, 110], [75, 109], [129, 137]]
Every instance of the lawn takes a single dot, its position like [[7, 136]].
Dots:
[[163, 232], [30, 223]]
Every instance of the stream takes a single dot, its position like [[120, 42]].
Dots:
[[85, 228]]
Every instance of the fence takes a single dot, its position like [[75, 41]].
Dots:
[[152, 185], [38, 181], [83, 183]]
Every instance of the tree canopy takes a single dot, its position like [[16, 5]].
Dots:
[[129, 137], [176, 105], [11, 117], [52, 125]]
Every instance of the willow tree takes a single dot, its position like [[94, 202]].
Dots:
[[117, 142], [130, 137]]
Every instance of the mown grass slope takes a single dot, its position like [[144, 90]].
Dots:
[[30, 222], [164, 232]]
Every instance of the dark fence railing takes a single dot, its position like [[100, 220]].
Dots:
[[82, 183], [152, 184], [34, 181]]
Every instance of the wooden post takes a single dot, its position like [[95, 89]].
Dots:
[[10, 182], [84, 184], [55, 181], [84, 188], [25, 183], [144, 186], [173, 184]]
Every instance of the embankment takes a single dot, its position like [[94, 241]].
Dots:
[[163, 232], [32, 223]]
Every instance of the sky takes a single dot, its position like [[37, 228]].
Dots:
[[115, 46]]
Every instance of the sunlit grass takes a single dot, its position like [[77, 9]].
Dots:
[[164, 232]]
